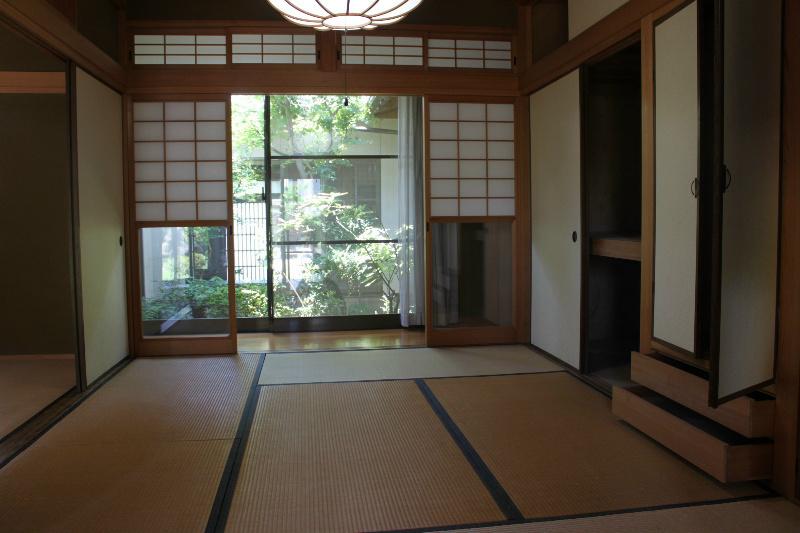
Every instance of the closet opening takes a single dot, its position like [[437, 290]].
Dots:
[[611, 115]]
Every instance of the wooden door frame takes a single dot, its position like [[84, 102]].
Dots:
[[787, 385]]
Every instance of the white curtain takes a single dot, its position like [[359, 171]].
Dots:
[[411, 204]]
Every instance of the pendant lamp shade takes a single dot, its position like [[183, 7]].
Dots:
[[344, 14]]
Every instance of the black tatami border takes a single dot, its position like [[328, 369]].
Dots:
[[426, 378], [598, 514], [499, 494], [227, 483], [503, 500]]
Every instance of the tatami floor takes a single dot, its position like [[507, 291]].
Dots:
[[484, 439]]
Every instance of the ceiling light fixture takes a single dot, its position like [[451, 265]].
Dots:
[[344, 15]]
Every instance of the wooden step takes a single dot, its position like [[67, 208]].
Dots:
[[751, 416], [713, 448]]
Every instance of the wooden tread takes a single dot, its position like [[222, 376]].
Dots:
[[751, 416], [715, 449]]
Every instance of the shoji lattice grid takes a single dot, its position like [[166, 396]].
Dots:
[[180, 161], [464, 53], [375, 50], [287, 49], [180, 50], [471, 151]]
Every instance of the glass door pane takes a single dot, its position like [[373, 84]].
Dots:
[[334, 219], [249, 207], [184, 281]]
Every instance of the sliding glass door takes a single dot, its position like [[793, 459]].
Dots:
[[317, 221]]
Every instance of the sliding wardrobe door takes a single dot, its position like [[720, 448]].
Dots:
[[677, 183], [98, 117], [556, 219], [750, 197]]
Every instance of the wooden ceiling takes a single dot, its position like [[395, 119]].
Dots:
[[501, 13]]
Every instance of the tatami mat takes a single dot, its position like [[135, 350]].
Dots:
[[115, 487], [365, 365], [756, 516], [164, 399], [146, 452], [555, 447], [353, 457]]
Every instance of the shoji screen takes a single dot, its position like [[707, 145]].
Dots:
[[183, 243], [471, 151], [180, 161], [287, 49], [470, 53], [471, 212]]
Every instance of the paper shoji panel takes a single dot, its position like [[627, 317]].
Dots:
[[180, 161], [179, 50], [287, 49], [462, 53], [471, 150], [375, 50]]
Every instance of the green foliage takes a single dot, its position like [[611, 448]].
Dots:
[[343, 271], [340, 279]]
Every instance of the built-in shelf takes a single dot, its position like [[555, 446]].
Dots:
[[629, 248]]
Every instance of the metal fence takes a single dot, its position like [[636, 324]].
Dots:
[[250, 238]]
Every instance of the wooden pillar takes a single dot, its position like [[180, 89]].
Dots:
[[787, 386]]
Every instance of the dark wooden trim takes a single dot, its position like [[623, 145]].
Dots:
[[470, 336], [33, 83], [583, 344], [787, 386], [522, 224], [648, 185], [619, 25], [282, 25], [68, 8], [283, 79], [77, 282], [675, 352], [48, 26], [525, 31]]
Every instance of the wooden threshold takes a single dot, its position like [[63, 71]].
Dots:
[[720, 452], [751, 416], [629, 248]]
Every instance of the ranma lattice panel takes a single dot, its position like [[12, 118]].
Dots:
[[179, 49], [285, 49]]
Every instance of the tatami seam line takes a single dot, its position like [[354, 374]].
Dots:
[[227, 483], [379, 380], [597, 514], [503, 500]]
